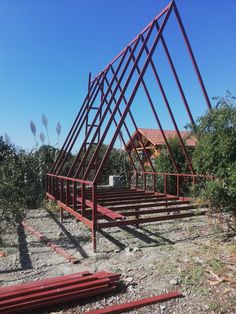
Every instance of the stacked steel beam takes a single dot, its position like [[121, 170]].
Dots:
[[53, 291]]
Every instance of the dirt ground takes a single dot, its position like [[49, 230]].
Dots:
[[188, 255]]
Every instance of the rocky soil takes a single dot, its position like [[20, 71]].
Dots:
[[187, 255]]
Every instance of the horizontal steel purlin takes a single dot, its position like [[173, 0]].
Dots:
[[104, 225]]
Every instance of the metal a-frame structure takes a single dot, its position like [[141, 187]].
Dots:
[[106, 108]]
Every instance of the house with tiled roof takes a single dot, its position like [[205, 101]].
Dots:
[[153, 140]]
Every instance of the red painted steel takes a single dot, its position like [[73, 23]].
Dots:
[[111, 93], [192, 55], [136, 38], [43, 293], [52, 246], [125, 307], [131, 98], [127, 222]]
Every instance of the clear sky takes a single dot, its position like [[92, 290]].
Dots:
[[47, 48]]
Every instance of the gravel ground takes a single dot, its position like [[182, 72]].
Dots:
[[184, 255]]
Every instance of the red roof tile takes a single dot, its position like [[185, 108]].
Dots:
[[156, 138]]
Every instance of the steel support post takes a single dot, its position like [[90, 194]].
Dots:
[[94, 216], [144, 182], [67, 192], [178, 186], [74, 196], [61, 198], [83, 198], [154, 183], [165, 184]]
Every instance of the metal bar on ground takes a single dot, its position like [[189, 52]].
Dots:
[[125, 307], [52, 246]]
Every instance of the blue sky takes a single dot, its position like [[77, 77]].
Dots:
[[47, 48]]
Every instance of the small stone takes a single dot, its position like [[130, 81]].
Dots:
[[174, 282], [60, 233], [136, 249], [206, 307], [144, 276], [162, 307], [129, 279], [196, 259], [127, 249], [117, 251]]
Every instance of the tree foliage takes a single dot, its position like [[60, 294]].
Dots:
[[215, 154], [164, 164], [22, 183]]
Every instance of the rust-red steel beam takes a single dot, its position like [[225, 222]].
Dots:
[[67, 140], [137, 37], [73, 133], [176, 77], [50, 244], [127, 222], [43, 293], [135, 126], [105, 113], [191, 55], [130, 137], [131, 98], [103, 210], [147, 203], [162, 210], [78, 216], [94, 123], [120, 134], [169, 109], [125, 307], [82, 122]]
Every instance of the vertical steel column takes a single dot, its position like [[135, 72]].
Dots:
[[136, 180], [57, 193], [129, 180], [178, 186], [83, 198], [61, 198], [154, 182], [74, 196], [94, 216], [67, 192], [144, 182], [165, 184]]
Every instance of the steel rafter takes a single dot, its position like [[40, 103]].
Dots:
[[105, 113]]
